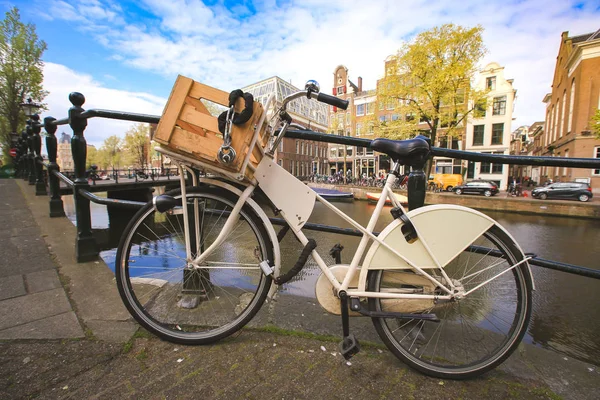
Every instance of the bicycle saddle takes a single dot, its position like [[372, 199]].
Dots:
[[408, 152]]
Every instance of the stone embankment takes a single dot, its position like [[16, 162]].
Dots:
[[500, 202]]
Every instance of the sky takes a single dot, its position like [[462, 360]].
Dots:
[[126, 55]]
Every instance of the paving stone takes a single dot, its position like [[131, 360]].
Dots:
[[60, 326], [11, 286], [42, 281], [32, 307]]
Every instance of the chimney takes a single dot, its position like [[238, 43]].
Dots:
[[360, 84]]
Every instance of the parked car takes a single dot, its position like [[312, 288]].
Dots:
[[477, 187], [446, 181], [564, 190]]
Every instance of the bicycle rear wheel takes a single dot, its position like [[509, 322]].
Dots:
[[193, 305], [476, 333]]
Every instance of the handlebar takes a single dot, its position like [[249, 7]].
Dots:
[[333, 101]]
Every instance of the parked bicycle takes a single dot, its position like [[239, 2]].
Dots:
[[196, 264]]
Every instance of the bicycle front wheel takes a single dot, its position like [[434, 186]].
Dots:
[[186, 304], [476, 333]]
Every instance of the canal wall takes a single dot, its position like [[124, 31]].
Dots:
[[500, 202]]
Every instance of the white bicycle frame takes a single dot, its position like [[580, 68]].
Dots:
[[272, 175]]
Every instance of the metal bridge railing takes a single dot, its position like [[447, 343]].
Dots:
[[30, 167]]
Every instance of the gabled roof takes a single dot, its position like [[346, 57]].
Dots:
[[585, 37]]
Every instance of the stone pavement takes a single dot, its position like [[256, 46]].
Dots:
[[33, 303], [100, 355]]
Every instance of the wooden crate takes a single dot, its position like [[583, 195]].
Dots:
[[187, 126]]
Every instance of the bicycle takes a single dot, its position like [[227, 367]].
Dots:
[[196, 264]]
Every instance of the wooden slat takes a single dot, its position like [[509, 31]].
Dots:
[[197, 104], [192, 128], [201, 91], [190, 115], [176, 100]]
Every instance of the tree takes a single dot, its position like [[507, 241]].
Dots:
[[428, 83], [110, 153], [21, 74], [595, 123], [137, 144]]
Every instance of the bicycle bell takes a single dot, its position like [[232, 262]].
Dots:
[[312, 86]]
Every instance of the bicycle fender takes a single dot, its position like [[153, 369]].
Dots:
[[429, 222], [264, 218]]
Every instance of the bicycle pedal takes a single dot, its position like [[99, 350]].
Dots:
[[349, 346]]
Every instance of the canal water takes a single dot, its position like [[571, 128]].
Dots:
[[566, 312]]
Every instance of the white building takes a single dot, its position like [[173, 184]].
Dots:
[[489, 129], [299, 157]]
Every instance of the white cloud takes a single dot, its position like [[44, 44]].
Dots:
[[307, 40], [60, 81]]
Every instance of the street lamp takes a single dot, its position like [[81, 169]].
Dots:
[[34, 143]]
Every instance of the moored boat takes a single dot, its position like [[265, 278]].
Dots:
[[374, 197]]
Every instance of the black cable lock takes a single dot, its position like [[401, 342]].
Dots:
[[238, 118]]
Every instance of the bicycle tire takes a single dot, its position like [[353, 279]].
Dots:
[[475, 316], [150, 275]]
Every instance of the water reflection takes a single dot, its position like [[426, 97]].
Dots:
[[565, 317]]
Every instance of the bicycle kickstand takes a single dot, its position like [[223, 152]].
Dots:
[[349, 345]]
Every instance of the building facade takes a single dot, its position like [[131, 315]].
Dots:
[[574, 99], [64, 157], [489, 128], [299, 157]]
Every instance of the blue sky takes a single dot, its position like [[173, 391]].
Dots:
[[125, 55]]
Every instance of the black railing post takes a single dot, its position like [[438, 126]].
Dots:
[[86, 248], [56, 203], [30, 154], [40, 185], [24, 156]]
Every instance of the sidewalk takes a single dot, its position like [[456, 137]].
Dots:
[[99, 356]]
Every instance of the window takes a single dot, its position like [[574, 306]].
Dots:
[[497, 133], [488, 168], [370, 108], [382, 118], [381, 106], [455, 143], [490, 83], [347, 118], [499, 106], [349, 151], [297, 147], [480, 108], [340, 90], [358, 129], [562, 115], [281, 146], [564, 170], [370, 129], [395, 117], [390, 104], [571, 104], [360, 109], [302, 148], [596, 155], [478, 135], [444, 142], [333, 152]]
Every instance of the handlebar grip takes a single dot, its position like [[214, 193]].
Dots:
[[333, 101]]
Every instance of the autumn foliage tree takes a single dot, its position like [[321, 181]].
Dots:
[[137, 144], [595, 123], [428, 83], [21, 74]]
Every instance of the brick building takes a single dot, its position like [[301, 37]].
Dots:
[[574, 99], [299, 157]]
